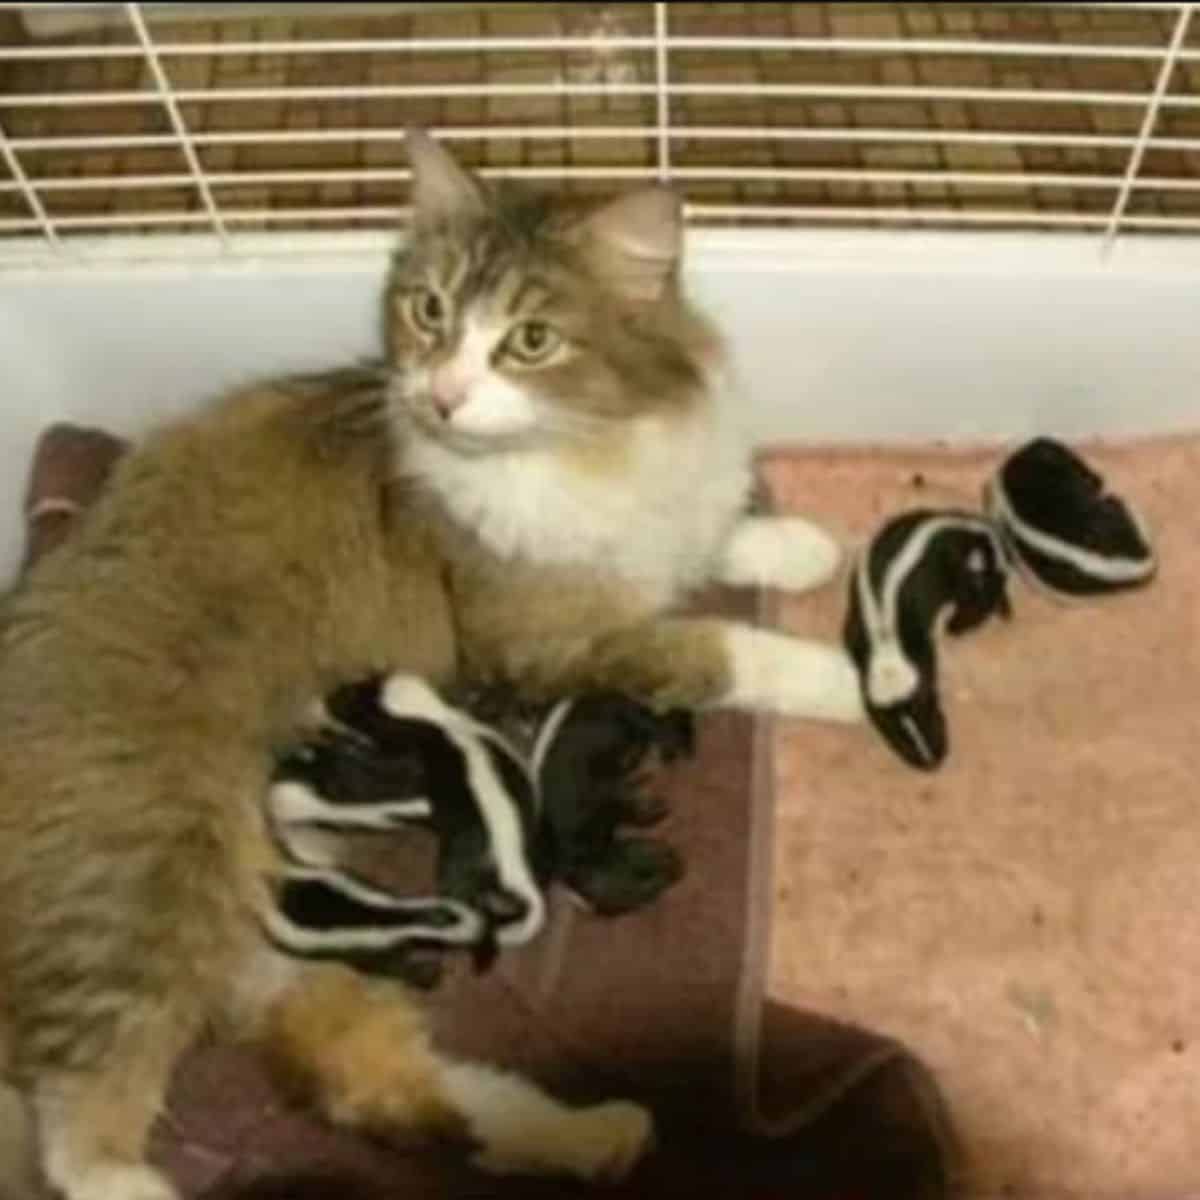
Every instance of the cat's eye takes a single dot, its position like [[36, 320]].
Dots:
[[532, 341], [428, 310]]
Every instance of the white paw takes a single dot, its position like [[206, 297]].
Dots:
[[111, 1182], [782, 552], [775, 673], [601, 1143]]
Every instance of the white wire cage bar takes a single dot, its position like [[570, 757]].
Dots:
[[133, 123], [863, 45]]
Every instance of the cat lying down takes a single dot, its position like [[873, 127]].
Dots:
[[393, 755]]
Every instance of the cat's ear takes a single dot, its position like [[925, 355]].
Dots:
[[441, 189], [634, 243]]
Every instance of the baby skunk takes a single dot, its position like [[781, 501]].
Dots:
[[585, 760], [397, 755], [921, 567], [1069, 536]]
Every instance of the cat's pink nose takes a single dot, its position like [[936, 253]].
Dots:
[[449, 394]]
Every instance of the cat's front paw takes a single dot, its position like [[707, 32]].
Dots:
[[780, 552], [117, 1182], [598, 1144]]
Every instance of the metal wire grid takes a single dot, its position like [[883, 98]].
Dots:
[[657, 89]]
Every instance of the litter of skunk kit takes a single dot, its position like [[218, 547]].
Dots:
[[393, 755], [1048, 512]]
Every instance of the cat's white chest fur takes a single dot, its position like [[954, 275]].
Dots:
[[659, 522]]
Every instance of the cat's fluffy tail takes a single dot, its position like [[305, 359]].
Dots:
[[18, 1175]]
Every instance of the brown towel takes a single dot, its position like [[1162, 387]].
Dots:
[[667, 1005], [70, 466]]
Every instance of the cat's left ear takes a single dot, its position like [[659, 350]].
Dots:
[[634, 243]]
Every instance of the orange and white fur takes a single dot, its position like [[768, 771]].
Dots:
[[546, 466]]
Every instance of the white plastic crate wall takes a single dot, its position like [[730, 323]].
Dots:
[[912, 221]]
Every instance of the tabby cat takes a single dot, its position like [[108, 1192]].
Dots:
[[547, 465]]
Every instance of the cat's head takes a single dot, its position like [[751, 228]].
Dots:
[[512, 322]]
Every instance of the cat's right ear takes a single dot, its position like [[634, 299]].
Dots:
[[634, 242], [441, 189]]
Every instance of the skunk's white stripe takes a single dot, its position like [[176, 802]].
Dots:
[[467, 927], [361, 892], [898, 570], [309, 846], [882, 646], [307, 828], [886, 685], [300, 939], [300, 844], [506, 748], [546, 735], [1088, 562], [291, 802], [409, 696], [914, 732], [387, 815]]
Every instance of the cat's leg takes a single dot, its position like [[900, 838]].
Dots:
[[18, 1166], [781, 552], [682, 662], [519, 1129], [93, 1125], [360, 1050]]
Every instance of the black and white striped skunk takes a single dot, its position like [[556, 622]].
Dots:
[[923, 572], [394, 755], [1068, 534], [585, 760]]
